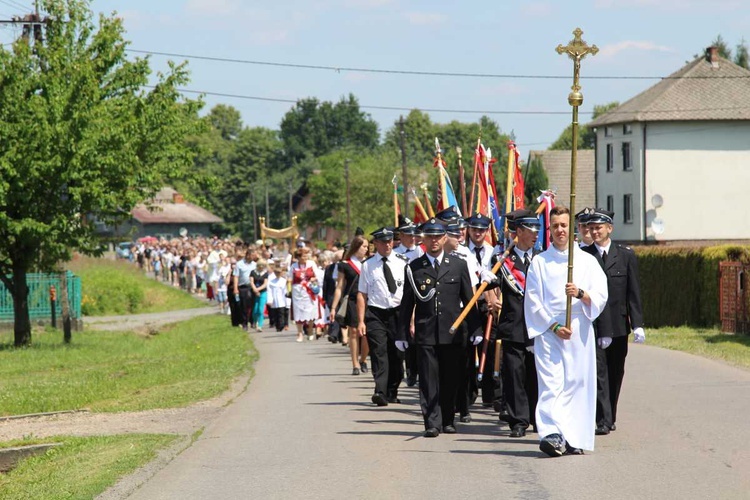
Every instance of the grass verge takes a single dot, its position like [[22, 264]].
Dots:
[[123, 371], [82, 467], [709, 343], [117, 287]]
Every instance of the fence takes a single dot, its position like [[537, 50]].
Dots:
[[39, 303]]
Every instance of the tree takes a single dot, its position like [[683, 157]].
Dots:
[[741, 57], [316, 128], [536, 180], [586, 135], [724, 50], [80, 139]]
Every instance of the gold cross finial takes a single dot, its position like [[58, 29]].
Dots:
[[577, 48]]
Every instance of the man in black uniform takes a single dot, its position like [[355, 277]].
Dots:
[[408, 232], [436, 286], [519, 371], [623, 313]]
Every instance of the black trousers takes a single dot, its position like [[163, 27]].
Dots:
[[467, 386], [280, 317], [234, 309], [492, 387], [519, 383], [246, 304], [610, 370], [411, 359], [440, 367], [387, 361]]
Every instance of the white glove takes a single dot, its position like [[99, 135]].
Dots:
[[476, 340], [640, 335], [530, 348], [604, 342], [487, 275], [402, 345]]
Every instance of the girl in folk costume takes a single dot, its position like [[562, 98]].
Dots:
[[304, 292], [346, 289]]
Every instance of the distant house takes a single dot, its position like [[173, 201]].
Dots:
[[673, 162], [557, 166], [169, 215]]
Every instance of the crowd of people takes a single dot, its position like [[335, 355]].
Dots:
[[455, 314]]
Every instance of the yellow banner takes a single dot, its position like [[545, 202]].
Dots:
[[279, 234]]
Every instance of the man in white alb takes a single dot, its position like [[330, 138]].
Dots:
[[565, 357]]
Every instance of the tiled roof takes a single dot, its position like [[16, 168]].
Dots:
[[557, 165], [163, 210], [698, 91]]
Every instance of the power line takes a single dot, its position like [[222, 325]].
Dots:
[[17, 5], [339, 69]]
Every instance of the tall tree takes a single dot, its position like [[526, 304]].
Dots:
[[724, 50], [586, 135], [80, 139], [741, 57]]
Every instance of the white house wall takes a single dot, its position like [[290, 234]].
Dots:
[[701, 170], [617, 183]]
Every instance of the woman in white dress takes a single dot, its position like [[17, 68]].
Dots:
[[305, 289]]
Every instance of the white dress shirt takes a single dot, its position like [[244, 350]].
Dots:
[[372, 280]]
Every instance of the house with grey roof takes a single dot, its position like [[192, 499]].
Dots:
[[673, 162], [556, 164]]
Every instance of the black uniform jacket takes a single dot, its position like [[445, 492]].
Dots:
[[623, 311], [512, 324], [433, 318]]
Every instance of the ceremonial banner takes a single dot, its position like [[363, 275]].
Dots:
[[279, 234], [546, 204]]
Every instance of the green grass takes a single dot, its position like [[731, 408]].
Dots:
[[80, 468], [123, 371], [709, 343], [118, 287]]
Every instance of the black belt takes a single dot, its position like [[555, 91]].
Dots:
[[381, 310], [244, 286]]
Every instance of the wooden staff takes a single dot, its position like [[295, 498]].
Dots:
[[480, 290], [476, 173], [421, 209], [430, 211], [498, 358], [509, 183], [462, 184], [576, 49], [441, 174], [483, 358]]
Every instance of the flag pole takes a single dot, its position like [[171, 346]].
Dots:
[[395, 200], [441, 174], [576, 50], [476, 173], [419, 205], [462, 184], [427, 202], [509, 183]]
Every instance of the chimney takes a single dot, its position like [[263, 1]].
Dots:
[[712, 56], [177, 198]]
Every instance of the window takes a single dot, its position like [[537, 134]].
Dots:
[[627, 129], [610, 158], [610, 203], [607, 131], [626, 163], [627, 209]]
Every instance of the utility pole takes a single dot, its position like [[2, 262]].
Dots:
[[255, 216], [291, 206], [405, 179], [348, 203], [268, 213]]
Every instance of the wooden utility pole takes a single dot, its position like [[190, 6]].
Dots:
[[348, 202], [291, 205], [405, 179], [255, 216], [268, 212], [65, 306]]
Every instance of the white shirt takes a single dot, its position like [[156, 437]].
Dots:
[[411, 253], [601, 250], [523, 254], [471, 262], [372, 281], [485, 251], [432, 259]]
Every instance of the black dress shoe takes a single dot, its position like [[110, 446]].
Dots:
[[411, 381], [379, 399], [466, 418], [552, 445], [518, 431], [449, 429], [613, 428], [355, 371], [601, 430], [431, 433], [569, 450], [394, 400], [363, 367]]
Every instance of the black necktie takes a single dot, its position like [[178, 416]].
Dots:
[[389, 276], [478, 251], [604, 256], [437, 266], [526, 260]]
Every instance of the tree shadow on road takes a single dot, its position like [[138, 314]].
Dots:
[[507, 453], [379, 433]]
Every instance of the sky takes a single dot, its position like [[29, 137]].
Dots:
[[651, 38]]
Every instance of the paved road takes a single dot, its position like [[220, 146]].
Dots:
[[306, 429]]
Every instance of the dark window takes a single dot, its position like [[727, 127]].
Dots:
[[610, 158], [610, 203], [607, 131], [626, 163], [627, 209], [627, 129]]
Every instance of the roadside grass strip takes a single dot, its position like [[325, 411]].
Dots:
[[170, 367], [112, 288], [709, 343], [81, 468]]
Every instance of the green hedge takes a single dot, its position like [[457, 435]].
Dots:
[[680, 285]]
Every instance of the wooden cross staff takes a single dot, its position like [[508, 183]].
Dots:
[[576, 49]]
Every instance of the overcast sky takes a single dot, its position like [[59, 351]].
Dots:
[[635, 37]]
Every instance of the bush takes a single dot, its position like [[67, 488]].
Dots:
[[680, 286]]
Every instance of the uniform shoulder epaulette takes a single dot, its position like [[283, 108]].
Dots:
[[368, 258], [456, 254], [624, 247], [402, 257]]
